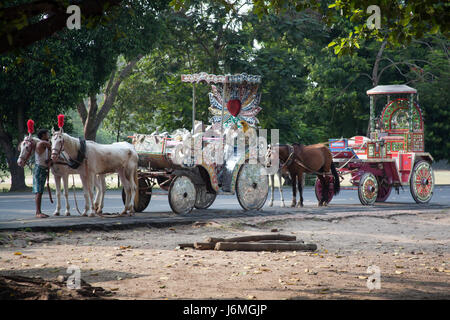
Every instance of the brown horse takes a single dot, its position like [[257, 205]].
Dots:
[[298, 159]]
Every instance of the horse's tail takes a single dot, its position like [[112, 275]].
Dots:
[[136, 184], [336, 182]]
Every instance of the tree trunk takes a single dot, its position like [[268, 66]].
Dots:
[[375, 77], [17, 173], [11, 153], [92, 116]]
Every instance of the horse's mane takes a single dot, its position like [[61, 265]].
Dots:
[[298, 144]]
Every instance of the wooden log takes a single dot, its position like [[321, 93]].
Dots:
[[204, 245], [255, 246], [186, 245], [279, 241], [253, 238]]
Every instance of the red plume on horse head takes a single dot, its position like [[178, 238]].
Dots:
[[30, 125], [60, 121]]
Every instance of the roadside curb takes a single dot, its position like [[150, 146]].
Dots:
[[256, 218]]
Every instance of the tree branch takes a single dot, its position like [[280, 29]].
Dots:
[[81, 108], [111, 97], [16, 38]]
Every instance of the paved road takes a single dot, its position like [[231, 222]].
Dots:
[[17, 209]]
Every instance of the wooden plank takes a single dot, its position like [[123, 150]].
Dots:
[[276, 236], [186, 245], [204, 245], [255, 246]]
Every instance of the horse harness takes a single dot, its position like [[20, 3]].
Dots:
[[81, 155], [291, 159]]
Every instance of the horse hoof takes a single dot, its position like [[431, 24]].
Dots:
[[319, 204], [270, 204], [56, 214], [283, 205], [91, 214], [67, 214]]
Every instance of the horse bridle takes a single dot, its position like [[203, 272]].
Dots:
[[29, 141], [61, 149], [73, 163], [281, 165]]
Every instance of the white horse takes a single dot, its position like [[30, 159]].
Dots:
[[60, 171], [101, 159]]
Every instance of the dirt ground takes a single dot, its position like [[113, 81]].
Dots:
[[410, 250]]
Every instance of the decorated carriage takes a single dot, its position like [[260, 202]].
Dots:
[[194, 166], [393, 156]]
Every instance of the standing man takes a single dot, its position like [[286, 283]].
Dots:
[[42, 159]]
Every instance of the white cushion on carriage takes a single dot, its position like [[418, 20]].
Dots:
[[148, 143]]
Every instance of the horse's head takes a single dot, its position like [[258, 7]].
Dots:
[[26, 148], [57, 144]]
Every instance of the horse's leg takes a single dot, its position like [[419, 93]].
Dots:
[[272, 189], [325, 191], [102, 182], [91, 183], [58, 194], [85, 183], [300, 188], [323, 183], [133, 187], [294, 191], [97, 193], [65, 178], [126, 188], [280, 187]]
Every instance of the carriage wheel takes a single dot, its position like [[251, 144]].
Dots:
[[368, 189], [252, 186], [422, 182], [318, 188], [144, 195], [182, 194], [384, 191], [204, 198]]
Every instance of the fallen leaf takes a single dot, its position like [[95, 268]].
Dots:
[[362, 277], [398, 272], [114, 289], [17, 253]]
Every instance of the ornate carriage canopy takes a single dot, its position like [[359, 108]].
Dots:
[[233, 97]]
